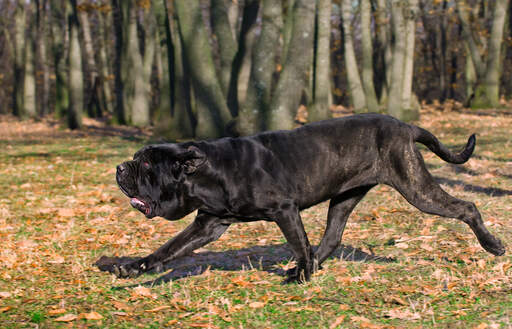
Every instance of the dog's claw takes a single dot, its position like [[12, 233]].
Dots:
[[124, 272], [133, 273], [159, 267], [115, 270]]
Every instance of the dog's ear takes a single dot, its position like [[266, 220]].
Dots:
[[191, 159]]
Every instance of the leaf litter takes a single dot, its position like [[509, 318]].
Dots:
[[60, 210]]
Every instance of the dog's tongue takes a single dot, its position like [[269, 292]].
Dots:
[[136, 203]]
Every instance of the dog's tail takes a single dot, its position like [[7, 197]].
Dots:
[[429, 140]]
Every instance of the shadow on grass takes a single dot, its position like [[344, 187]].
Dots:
[[491, 191], [265, 258]]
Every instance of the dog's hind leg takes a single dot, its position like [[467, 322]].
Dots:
[[419, 188], [340, 208]]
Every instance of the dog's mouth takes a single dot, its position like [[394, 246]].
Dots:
[[141, 205]]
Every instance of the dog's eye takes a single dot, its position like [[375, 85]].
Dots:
[[146, 165]]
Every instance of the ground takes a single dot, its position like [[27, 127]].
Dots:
[[60, 210]]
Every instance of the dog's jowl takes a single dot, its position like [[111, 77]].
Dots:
[[274, 175]]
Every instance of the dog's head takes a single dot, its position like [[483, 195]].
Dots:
[[156, 180]]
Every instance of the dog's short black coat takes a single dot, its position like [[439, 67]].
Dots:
[[273, 175]]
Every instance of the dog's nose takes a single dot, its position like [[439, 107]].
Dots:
[[121, 168]]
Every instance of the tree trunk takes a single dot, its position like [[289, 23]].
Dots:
[[107, 97], [29, 88], [76, 84], [92, 99], [19, 55], [486, 90], [385, 56], [182, 121], [42, 41], [60, 38], [251, 116], [288, 27], [354, 81], [320, 108], [410, 104], [212, 112], [395, 101], [119, 19], [226, 41], [367, 52], [442, 49], [142, 72], [240, 68], [294, 75], [493, 64]]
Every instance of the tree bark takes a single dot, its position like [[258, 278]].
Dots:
[[142, 72], [29, 88], [251, 116], [294, 76], [493, 63], [409, 102], [320, 108], [486, 90], [107, 97], [119, 21], [226, 41], [354, 80], [212, 112], [76, 84], [367, 52], [385, 56], [19, 55], [92, 100], [42, 42], [397, 67], [60, 38]]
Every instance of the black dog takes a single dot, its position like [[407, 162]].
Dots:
[[272, 176]]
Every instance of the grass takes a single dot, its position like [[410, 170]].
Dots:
[[60, 210]]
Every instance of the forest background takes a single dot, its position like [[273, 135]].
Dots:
[[203, 69]]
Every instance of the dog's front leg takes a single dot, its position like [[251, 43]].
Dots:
[[289, 221], [205, 229]]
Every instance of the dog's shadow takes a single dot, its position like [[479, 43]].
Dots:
[[266, 258]]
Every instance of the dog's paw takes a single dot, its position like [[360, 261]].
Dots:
[[493, 245], [296, 275]]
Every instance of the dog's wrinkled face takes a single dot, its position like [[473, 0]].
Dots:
[[156, 179]]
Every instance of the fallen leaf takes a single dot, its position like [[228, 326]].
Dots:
[[337, 322], [5, 294], [91, 316], [121, 306], [5, 309], [57, 311], [157, 309], [402, 314], [119, 313], [402, 245], [66, 318], [357, 318], [256, 305], [141, 291], [66, 212]]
